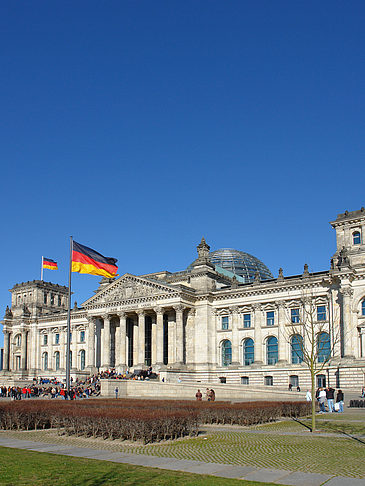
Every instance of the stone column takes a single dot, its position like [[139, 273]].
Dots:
[[190, 337], [159, 336], [123, 340], [63, 336], [73, 348], [23, 362], [282, 333], [6, 350], [235, 337], [347, 347], [154, 341], [91, 344], [135, 341], [141, 338], [258, 349], [179, 309], [31, 350], [106, 342], [171, 340]]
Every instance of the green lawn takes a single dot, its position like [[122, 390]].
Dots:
[[19, 467]]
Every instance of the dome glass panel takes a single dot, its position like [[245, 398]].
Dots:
[[240, 263]]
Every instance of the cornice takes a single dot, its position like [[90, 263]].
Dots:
[[257, 291]]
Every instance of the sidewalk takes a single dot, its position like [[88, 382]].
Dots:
[[221, 470]]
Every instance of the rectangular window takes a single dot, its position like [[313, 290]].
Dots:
[[52, 299], [57, 339], [246, 320], [225, 322], [270, 318], [82, 336], [321, 313], [59, 301], [295, 316], [45, 298], [45, 339], [245, 380]]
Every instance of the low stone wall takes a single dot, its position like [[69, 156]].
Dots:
[[182, 391]]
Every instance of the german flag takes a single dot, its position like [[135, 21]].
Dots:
[[50, 264], [86, 260]]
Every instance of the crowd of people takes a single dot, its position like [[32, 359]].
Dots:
[[209, 395], [53, 388], [326, 396]]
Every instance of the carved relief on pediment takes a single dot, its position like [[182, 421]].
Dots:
[[131, 290]]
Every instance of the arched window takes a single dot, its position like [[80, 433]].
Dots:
[[323, 347], [296, 344], [226, 353], [248, 352], [363, 307], [45, 361], [82, 360], [356, 238], [272, 350], [57, 360]]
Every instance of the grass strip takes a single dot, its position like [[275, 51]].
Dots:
[[19, 467]]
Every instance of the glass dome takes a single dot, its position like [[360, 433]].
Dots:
[[240, 263]]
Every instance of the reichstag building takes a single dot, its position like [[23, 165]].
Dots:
[[225, 318]]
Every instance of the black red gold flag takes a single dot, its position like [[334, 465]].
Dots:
[[87, 260], [50, 264]]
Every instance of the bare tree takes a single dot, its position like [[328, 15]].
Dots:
[[314, 335]]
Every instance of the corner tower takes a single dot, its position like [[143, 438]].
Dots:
[[350, 235]]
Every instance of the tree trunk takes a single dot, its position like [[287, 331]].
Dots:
[[313, 378]]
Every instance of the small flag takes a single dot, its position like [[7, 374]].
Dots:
[[50, 264], [86, 260]]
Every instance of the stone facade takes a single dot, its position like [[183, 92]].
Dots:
[[201, 324]]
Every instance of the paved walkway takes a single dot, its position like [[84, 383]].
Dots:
[[221, 470]]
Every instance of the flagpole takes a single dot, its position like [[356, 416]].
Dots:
[[68, 364], [42, 270]]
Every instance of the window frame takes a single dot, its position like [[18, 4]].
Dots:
[[356, 238], [270, 321], [323, 357], [226, 351], [248, 361], [272, 357], [321, 315], [295, 315], [247, 321], [225, 323], [296, 357]]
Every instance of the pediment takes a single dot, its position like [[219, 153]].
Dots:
[[129, 287]]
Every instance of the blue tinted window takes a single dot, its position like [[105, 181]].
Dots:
[[246, 320], [321, 313], [272, 350], [45, 339], [323, 347], [296, 349], [82, 336], [225, 322], [295, 316], [270, 318], [57, 360], [248, 352], [356, 238], [226, 353], [82, 360], [57, 339], [363, 307]]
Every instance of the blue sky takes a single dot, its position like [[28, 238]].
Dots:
[[139, 126]]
